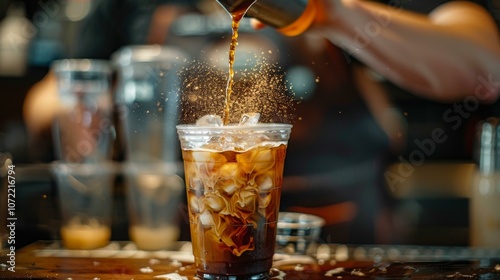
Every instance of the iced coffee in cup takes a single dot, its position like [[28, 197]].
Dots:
[[233, 175]]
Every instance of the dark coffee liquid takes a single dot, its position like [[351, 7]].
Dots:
[[237, 13]]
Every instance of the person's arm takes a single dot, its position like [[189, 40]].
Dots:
[[452, 53], [40, 106]]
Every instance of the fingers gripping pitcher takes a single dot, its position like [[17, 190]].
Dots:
[[234, 175]]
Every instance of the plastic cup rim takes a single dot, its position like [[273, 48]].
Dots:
[[233, 127], [81, 65]]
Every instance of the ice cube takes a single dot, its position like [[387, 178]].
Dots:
[[207, 162], [249, 119], [197, 186], [209, 120], [206, 218], [265, 182], [194, 205], [228, 187], [257, 160], [230, 170], [214, 202]]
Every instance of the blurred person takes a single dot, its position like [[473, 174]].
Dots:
[[440, 50], [446, 51]]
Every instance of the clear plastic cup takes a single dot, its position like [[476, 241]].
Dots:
[[233, 180], [147, 99], [297, 232], [83, 129], [86, 198], [153, 196]]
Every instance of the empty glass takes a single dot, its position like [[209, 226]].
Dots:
[[148, 101], [297, 232], [83, 129], [86, 198], [153, 205]]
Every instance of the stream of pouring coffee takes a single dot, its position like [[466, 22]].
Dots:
[[237, 12]]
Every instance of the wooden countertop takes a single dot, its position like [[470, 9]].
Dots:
[[47, 260]]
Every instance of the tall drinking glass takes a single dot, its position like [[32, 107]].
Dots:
[[86, 199], [233, 178], [83, 129], [147, 98]]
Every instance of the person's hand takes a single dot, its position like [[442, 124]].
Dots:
[[321, 16], [256, 24]]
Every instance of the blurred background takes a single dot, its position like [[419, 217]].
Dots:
[[433, 200]]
